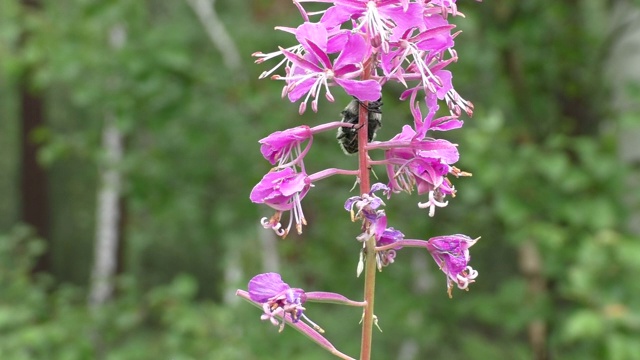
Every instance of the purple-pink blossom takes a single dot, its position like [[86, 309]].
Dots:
[[418, 164], [284, 146], [451, 253], [407, 41], [367, 204], [279, 301], [277, 298], [381, 20], [388, 237], [282, 190], [314, 70]]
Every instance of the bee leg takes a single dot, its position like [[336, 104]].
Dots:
[[370, 107]]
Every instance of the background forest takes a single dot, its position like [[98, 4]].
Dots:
[[129, 138]]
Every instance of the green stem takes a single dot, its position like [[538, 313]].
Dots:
[[369, 296]]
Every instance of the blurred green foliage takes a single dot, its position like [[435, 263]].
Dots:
[[549, 195]]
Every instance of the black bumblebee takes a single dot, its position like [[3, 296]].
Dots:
[[348, 136]]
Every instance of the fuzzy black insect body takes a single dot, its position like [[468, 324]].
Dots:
[[348, 136]]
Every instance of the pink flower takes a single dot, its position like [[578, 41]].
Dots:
[[314, 71], [389, 236], [277, 298], [382, 19], [281, 145], [451, 253], [279, 301], [283, 191], [418, 164]]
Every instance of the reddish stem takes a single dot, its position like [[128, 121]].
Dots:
[[370, 263]]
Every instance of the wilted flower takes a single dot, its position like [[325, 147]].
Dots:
[[367, 203], [451, 253], [388, 237]]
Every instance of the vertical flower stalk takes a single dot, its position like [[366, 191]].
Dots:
[[370, 270], [357, 46]]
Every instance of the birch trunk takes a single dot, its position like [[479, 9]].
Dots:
[[108, 216], [108, 207], [206, 13], [622, 71], [215, 30]]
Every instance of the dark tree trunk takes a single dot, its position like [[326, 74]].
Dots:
[[34, 195]]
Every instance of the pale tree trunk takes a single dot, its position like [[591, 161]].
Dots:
[[422, 284], [108, 209], [206, 13], [215, 30], [531, 266], [622, 71], [108, 215]]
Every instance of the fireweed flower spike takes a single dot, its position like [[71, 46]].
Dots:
[[359, 45]]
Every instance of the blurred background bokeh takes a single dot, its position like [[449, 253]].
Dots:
[[128, 142]]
